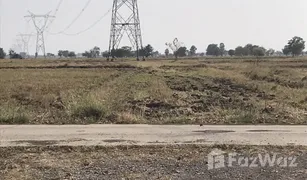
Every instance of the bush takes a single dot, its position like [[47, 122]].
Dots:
[[19, 119], [242, 117], [89, 112]]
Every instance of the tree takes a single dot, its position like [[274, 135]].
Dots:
[[95, 52], [249, 49], [182, 52], [175, 47], [279, 53], [166, 52], [231, 52], [50, 55], [60, 53], [65, 53], [193, 50], [14, 55], [222, 49], [87, 54], [296, 45], [213, 50], [125, 51], [149, 50], [156, 54], [270, 52], [240, 51], [258, 51], [286, 50], [105, 54], [71, 54], [119, 53], [2, 53]]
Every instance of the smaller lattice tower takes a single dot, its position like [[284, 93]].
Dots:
[[40, 23]]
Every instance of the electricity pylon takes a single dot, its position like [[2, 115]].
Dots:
[[25, 39], [40, 22], [125, 19]]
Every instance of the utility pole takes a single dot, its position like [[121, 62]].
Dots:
[[40, 22], [125, 20], [25, 38]]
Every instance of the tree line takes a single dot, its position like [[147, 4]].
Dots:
[[294, 47]]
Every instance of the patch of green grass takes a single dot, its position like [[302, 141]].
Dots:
[[13, 117], [94, 112], [87, 109], [90, 112], [242, 117]]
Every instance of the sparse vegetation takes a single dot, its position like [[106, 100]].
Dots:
[[12, 116], [91, 113], [209, 91]]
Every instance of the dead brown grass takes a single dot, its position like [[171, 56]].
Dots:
[[210, 91]]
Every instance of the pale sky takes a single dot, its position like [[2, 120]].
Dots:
[[269, 23]]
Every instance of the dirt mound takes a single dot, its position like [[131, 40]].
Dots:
[[221, 85], [202, 95], [155, 109], [221, 93]]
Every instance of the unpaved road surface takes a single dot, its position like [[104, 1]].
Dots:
[[111, 135], [143, 162], [123, 152]]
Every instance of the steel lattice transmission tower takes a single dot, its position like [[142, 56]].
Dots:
[[125, 20], [25, 39], [40, 22]]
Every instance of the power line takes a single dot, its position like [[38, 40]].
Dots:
[[55, 13], [58, 7], [90, 27], [74, 20]]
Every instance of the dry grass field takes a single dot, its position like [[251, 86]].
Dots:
[[189, 91]]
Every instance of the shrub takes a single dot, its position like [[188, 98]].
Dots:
[[19, 119], [91, 112]]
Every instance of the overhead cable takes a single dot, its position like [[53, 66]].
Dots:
[[90, 27], [74, 20]]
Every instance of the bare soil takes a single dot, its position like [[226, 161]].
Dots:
[[164, 162]]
